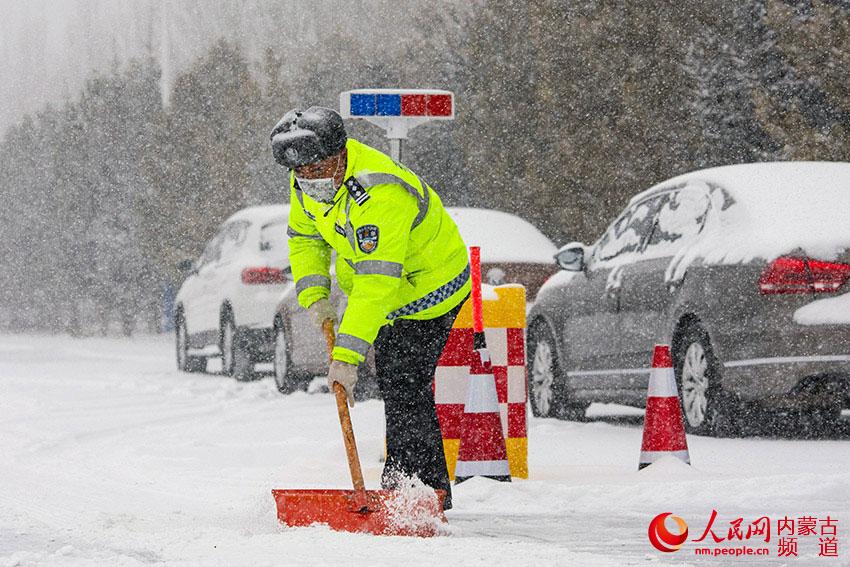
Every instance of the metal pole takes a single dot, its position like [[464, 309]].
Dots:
[[395, 149]]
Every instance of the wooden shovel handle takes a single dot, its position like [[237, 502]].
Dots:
[[330, 339], [344, 417]]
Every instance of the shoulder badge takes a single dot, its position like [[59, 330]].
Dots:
[[357, 192], [367, 238]]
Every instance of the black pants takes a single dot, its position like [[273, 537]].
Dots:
[[406, 355]]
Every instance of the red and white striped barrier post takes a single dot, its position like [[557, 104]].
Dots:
[[482, 442]]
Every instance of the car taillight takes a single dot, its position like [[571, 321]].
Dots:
[[828, 276], [263, 275], [802, 275]]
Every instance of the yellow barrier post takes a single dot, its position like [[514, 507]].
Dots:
[[504, 327]]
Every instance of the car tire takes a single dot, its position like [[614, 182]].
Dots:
[[235, 357], [546, 389], [284, 377], [185, 362], [706, 409]]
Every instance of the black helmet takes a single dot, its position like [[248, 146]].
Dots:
[[308, 136]]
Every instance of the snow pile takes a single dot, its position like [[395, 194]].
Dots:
[[111, 457], [412, 507], [488, 292], [828, 311]]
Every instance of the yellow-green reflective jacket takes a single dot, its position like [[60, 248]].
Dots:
[[398, 253]]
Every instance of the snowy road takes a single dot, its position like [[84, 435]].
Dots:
[[111, 457]]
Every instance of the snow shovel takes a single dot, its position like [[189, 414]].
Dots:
[[382, 512]]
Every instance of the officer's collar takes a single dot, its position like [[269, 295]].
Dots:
[[348, 175]]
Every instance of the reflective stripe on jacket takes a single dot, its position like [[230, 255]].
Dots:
[[398, 253]]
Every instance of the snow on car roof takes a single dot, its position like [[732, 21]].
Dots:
[[260, 213], [503, 237], [779, 208], [479, 227]]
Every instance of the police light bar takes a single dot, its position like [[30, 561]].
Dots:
[[397, 111], [418, 103]]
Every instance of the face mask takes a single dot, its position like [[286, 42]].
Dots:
[[322, 189]]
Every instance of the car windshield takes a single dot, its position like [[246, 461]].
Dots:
[[212, 251]]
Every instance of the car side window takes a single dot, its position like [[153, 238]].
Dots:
[[606, 248], [679, 220], [628, 232]]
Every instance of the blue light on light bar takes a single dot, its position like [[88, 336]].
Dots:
[[388, 105], [362, 105], [398, 103]]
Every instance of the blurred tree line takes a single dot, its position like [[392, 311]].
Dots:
[[565, 110]]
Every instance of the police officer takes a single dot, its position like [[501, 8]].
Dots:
[[400, 260]]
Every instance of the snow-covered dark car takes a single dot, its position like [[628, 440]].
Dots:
[[743, 269], [227, 303], [512, 251]]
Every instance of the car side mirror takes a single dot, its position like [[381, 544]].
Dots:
[[571, 257]]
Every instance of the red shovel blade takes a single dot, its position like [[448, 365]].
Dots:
[[379, 512]]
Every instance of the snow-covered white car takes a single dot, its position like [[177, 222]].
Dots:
[[226, 305], [743, 270], [512, 251]]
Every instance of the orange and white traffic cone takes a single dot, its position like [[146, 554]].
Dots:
[[482, 442], [663, 428]]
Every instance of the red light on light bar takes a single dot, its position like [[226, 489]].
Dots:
[[263, 275], [439, 105], [413, 105]]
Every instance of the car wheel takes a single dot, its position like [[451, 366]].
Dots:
[[705, 408], [235, 358], [186, 363], [545, 388], [283, 376]]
